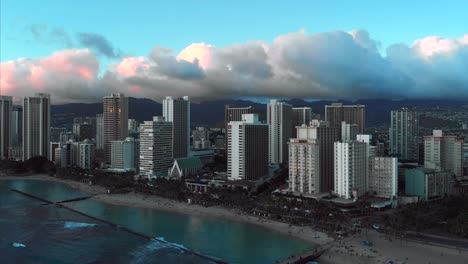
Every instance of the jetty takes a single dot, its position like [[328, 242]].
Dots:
[[128, 230]]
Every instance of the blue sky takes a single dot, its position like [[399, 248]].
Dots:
[[136, 27]]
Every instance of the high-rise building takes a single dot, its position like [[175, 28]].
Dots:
[[125, 154], [87, 154], [304, 166], [115, 117], [279, 119], [177, 111], [301, 116], [6, 115], [52, 149], [404, 134], [17, 133], [348, 131], [36, 126], [383, 176], [99, 131], [443, 152], [132, 125], [351, 169], [155, 147], [87, 120], [233, 113], [248, 148], [351, 114], [325, 136], [84, 131], [66, 136]]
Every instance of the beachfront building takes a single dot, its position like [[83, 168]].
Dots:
[[125, 155], [36, 126], [279, 119], [351, 169], [443, 152], [383, 176], [177, 111], [115, 121], [155, 147], [6, 114], [185, 167], [426, 183], [351, 114], [87, 154], [247, 148], [325, 136], [304, 166]]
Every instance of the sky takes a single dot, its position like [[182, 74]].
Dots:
[[215, 49]]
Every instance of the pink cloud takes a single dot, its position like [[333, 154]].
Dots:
[[434, 45], [6, 77], [135, 88], [200, 51], [129, 66]]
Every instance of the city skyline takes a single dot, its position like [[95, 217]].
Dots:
[[347, 55]]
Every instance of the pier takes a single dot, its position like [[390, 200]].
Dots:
[[61, 204]]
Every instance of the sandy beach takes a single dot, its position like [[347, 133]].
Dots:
[[344, 251]]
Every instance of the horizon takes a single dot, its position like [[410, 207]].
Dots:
[[283, 52]]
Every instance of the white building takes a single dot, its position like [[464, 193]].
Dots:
[[87, 154], [304, 166], [443, 153], [247, 148], [155, 147], [351, 169], [177, 111], [6, 115], [279, 119], [348, 131], [36, 126], [125, 154], [383, 176], [132, 125]]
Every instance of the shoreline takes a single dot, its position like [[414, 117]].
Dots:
[[306, 234]]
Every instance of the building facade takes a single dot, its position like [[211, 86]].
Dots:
[[443, 152], [404, 134], [383, 176], [6, 115], [17, 133], [426, 183], [177, 111], [325, 136], [87, 154], [99, 131], [279, 119], [351, 169], [156, 155], [304, 166], [125, 154], [351, 114], [301, 116], [36, 126], [247, 148], [115, 120], [84, 131]]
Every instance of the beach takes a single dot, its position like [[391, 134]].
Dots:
[[99, 193], [347, 250]]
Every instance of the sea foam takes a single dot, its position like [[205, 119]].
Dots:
[[77, 225]]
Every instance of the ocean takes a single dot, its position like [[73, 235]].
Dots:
[[34, 232]]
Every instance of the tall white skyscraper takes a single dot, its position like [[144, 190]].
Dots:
[[36, 126], [247, 148], [351, 169], [6, 114], [404, 134], [99, 131], [348, 131], [87, 154], [115, 117], [443, 153], [155, 147], [279, 119], [177, 111], [304, 166]]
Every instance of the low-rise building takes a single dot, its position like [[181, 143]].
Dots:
[[426, 183], [185, 167]]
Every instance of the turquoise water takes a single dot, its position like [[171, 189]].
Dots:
[[230, 241]]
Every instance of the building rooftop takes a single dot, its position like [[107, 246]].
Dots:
[[189, 162]]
